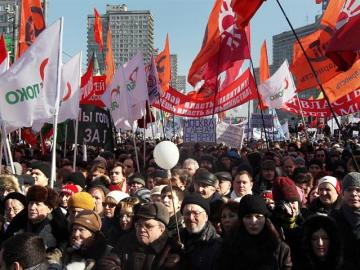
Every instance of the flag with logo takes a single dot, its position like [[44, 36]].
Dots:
[[153, 83], [345, 43], [86, 86], [163, 66], [98, 35], [223, 44], [32, 23], [128, 93], [245, 10], [28, 87], [279, 88], [4, 57]]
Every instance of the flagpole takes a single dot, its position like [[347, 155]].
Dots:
[[57, 104], [151, 122], [66, 127], [8, 149], [318, 82], [162, 118], [145, 126], [259, 98], [136, 152], [248, 137]]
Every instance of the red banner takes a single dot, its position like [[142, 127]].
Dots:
[[345, 105], [237, 93], [98, 89]]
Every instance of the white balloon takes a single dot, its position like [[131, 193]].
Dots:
[[166, 155]]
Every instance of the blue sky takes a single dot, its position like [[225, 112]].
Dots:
[[184, 20]]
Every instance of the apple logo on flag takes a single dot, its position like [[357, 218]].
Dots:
[[229, 32], [350, 9]]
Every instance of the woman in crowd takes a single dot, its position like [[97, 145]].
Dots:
[[256, 244], [229, 217], [322, 245]]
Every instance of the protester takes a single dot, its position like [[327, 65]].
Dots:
[[78, 202], [66, 192], [229, 217], [191, 165], [242, 185], [118, 179], [206, 184], [225, 180], [41, 171]]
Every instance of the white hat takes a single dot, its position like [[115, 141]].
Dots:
[[157, 190], [332, 181], [117, 195]]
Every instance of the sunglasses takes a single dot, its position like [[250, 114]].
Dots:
[[110, 205]]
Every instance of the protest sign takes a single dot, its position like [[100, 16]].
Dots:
[[200, 130], [229, 135], [256, 120]]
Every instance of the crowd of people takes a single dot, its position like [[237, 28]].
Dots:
[[294, 205]]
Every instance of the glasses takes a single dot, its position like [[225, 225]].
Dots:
[[196, 214], [110, 205], [147, 226]]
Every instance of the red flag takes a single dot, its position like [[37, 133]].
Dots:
[[245, 10], [29, 137], [87, 89], [345, 43], [3, 51], [223, 44], [163, 66], [98, 35], [32, 22], [318, 1], [313, 123], [315, 45], [109, 60]]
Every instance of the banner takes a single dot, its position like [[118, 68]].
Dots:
[[229, 135], [256, 120], [94, 127], [98, 89], [200, 130], [345, 105], [237, 93]]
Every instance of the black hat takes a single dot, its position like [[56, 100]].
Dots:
[[98, 184], [44, 167], [77, 178], [315, 162], [205, 177], [16, 196], [253, 204], [196, 198], [223, 176], [268, 164], [155, 210]]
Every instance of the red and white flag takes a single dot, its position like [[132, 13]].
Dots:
[[279, 88], [153, 82], [28, 88], [4, 57], [345, 43]]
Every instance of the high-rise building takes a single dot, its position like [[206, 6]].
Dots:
[[9, 16], [181, 83], [174, 65], [132, 31]]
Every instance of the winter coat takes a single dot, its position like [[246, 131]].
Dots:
[[135, 256], [265, 251], [201, 250], [351, 242], [171, 227], [53, 229], [335, 257], [317, 207], [81, 259]]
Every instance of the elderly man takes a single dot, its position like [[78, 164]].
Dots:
[[150, 246], [201, 242], [191, 165], [348, 217], [225, 180], [206, 184]]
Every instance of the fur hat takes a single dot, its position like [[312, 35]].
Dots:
[[155, 210], [43, 194], [284, 189], [82, 200], [88, 219], [332, 181], [253, 204], [44, 167], [9, 182]]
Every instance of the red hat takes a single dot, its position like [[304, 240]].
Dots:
[[267, 195], [284, 189], [69, 189]]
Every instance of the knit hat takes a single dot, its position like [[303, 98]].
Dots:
[[284, 189], [155, 210], [332, 181], [69, 189], [196, 198], [88, 219], [253, 204], [351, 180], [136, 179], [82, 200], [143, 194], [117, 195], [157, 190], [267, 195], [268, 164], [16, 196], [224, 176], [44, 167], [77, 178], [43, 194], [205, 177]]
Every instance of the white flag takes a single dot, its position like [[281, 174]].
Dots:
[[279, 88], [28, 90], [4, 65], [128, 93], [4, 56], [153, 82]]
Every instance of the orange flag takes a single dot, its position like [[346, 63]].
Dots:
[[109, 60], [315, 46], [264, 70], [98, 35], [163, 66], [31, 23]]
